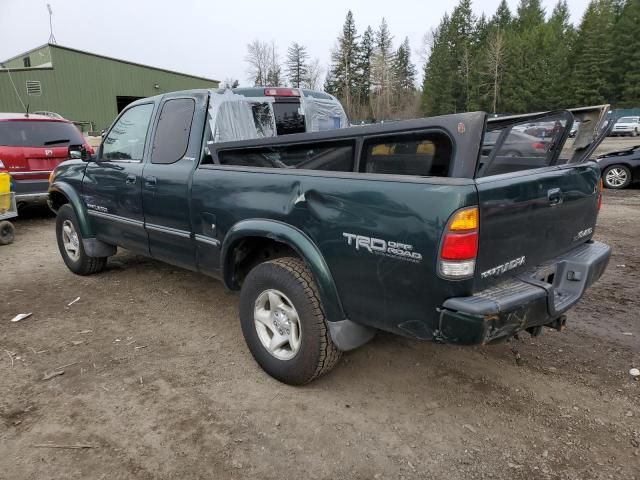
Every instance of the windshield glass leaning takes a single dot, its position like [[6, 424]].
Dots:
[[32, 133]]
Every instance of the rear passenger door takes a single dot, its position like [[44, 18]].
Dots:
[[166, 178]]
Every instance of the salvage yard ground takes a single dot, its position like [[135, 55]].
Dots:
[[158, 383]]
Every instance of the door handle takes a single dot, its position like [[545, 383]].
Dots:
[[150, 181], [130, 180], [555, 196]]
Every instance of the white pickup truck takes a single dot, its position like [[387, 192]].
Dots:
[[626, 126]]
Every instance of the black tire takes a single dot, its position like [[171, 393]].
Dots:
[[7, 232], [608, 181], [513, 154], [317, 353], [83, 264]]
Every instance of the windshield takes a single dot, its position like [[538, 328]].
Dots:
[[628, 120], [31, 133]]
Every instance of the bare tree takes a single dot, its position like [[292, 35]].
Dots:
[[314, 75], [495, 62], [259, 59]]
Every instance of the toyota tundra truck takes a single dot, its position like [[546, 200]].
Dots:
[[421, 227]]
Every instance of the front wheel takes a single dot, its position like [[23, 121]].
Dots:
[[70, 244], [616, 176], [283, 323]]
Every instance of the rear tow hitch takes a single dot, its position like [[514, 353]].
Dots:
[[559, 323]]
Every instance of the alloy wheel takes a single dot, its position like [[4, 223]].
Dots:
[[277, 324]]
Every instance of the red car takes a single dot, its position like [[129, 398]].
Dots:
[[31, 146]]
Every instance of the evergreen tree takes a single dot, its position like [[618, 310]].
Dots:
[[559, 41], [344, 65], [527, 68], [437, 87], [502, 18], [593, 67], [297, 68], [367, 48], [530, 14], [404, 72], [627, 48]]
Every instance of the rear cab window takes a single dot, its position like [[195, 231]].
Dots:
[[38, 133], [173, 131]]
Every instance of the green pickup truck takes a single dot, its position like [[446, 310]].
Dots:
[[458, 229]]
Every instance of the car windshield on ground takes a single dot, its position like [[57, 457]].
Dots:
[[36, 133], [628, 120]]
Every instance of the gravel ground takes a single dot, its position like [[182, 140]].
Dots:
[[159, 383]]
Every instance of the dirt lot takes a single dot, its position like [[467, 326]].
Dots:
[[158, 380]]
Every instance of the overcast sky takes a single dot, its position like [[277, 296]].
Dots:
[[208, 37]]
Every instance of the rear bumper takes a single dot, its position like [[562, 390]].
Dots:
[[533, 299], [28, 191]]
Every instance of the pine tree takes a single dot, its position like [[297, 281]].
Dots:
[[559, 41], [344, 65], [404, 72], [627, 48], [524, 79], [530, 14], [297, 68], [437, 87], [593, 67], [502, 18], [462, 38], [366, 51]]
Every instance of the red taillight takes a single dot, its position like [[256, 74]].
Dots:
[[459, 246], [281, 92], [539, 145], [600, 187]]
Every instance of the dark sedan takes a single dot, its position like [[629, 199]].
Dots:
[[620, 168]]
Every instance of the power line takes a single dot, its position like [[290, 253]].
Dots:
[[14, 88]]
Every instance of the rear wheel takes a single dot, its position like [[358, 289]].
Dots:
[[70, 244], [283, 323], [7, 232], [616, 176]]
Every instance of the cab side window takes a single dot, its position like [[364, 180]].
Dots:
[[327, 156], [425, 155], [126, 139], [174, 128]]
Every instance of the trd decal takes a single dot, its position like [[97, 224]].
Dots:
[[378, 246]]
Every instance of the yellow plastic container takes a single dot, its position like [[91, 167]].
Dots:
[[5, 185]]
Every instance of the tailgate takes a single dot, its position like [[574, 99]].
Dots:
[[536, 200]]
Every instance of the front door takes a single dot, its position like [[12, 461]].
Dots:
[[166, 178], [112, 187]]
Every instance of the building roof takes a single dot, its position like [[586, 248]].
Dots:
[[52, 45]]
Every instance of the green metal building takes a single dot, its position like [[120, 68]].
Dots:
[[86, 88]]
